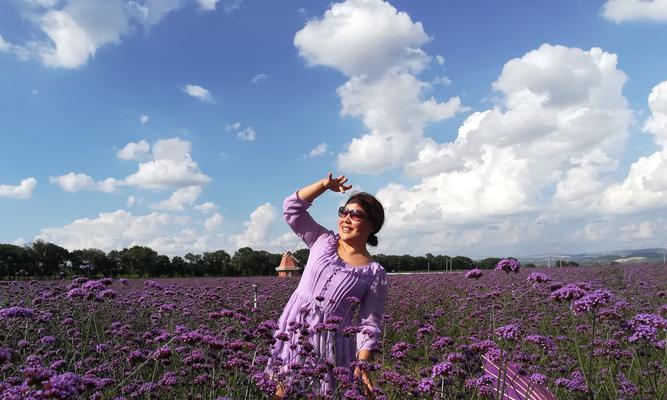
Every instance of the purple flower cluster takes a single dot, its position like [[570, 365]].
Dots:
[[16, 312], [538, 277], [508, 265], [591, 301], [474, 274], [575, 383], [568, 292], [443, 369], [646, 327], [510, 332]]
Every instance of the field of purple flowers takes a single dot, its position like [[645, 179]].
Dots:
[[583, 333]]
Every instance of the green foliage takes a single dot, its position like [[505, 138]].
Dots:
[[461, 262], [488, 263], [13, 259], [139, 261], [44, 259], [48, 258]]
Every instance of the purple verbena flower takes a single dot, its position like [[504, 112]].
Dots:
[[568, 292], [508, 265], [646, 327], [509, 332], [442, 369], [425, 386], [474, 274], [538, 277], [16, 312], [591, 301]]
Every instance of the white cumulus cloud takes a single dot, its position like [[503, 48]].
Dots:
[[171, 166], [233, 127], [198, 92], [134, 151], [119, 229], [635, 10], [259, 78], [206, 207], [213, 222], [318, 150], [560, 123], [182, 197], [21, 191], [75, 182], [256, 229], [645, 186], [167, 164], [69, 32], [248, 134], [378, 48], [207, 5], [364, 37]]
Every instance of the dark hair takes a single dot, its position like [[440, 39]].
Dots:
[[373, 209]]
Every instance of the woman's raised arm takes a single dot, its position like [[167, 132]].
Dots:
[[312, 191], [295, 206]]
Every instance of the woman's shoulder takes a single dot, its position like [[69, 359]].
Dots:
[[326, 243], [378, 269]]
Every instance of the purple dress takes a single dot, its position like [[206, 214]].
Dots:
[[326, 297]]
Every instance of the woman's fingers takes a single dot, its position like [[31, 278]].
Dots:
[[337, 184]]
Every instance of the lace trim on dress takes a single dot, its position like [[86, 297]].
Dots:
[[331, 251]]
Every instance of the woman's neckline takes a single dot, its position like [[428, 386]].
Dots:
[[345, 263]]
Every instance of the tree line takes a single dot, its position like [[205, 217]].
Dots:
[[48, 260]]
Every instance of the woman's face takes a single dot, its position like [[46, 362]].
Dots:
[[352, 230]]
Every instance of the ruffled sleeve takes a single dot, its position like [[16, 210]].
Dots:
[[294, 210], [371, 312]]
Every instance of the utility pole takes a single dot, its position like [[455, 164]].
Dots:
[[254, 295]]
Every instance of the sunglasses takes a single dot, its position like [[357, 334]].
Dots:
[[355, 215]]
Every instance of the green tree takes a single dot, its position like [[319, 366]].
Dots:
[[178, 266], [114, 258], [13, 259], [96, 257], [48, 259], [248, 262], [138, 260], [194, 264], [217, 263], [488, 263], [461, 262], [160, 267]]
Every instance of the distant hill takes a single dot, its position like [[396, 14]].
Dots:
[[654, 255]]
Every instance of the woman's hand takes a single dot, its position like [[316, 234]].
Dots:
[[336, 184], [366, 382], [312, 191]]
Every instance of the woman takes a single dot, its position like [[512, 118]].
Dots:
[[316, 331]]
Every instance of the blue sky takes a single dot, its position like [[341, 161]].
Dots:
[[486, 128]]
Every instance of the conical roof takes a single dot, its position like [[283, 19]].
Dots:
[[287, 263]]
